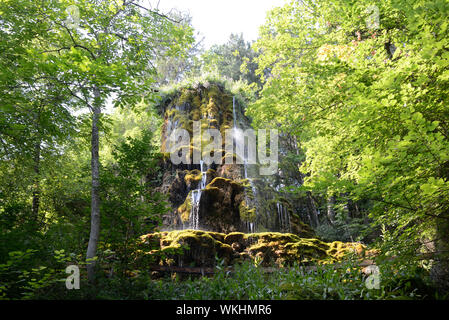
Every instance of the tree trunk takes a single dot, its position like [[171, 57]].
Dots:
[[313, 211], [95, 193], [330, 209], [36, 166], [440, 268], [36, 184]]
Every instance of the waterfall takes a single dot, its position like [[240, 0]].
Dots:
[[245, 166], [194, 220], [234, 113], [194, 215], [284, 217], [203, 175], [279, 206], [250, 226]]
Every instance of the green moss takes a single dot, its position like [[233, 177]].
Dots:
[[200, 248], [172, 112], [212, 107], [273, 236], [192, 177], [184, 122], [338, 249], [213, 123], [193, 247], [234, 237], [186, 208], [197, 102], [185, 97], [247, 213], [214, 92], [166, 156], [195, 114], [204, 126], [219, 181], [212, 189], [229, 158]]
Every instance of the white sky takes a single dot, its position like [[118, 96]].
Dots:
[[217, 19]]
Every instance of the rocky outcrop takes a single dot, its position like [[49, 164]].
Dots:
[[194, 248], [224, 197]]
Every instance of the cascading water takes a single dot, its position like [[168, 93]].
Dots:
[[283, 215], [194, 215], [194, 221], [284, 218], [203, 175], [245, 167], [282, 210], [250, 225], [234, 114], [248, 196]]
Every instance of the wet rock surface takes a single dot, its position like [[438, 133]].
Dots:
[[195, 248]]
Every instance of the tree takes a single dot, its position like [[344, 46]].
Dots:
[[174, 68], [364, 94], [114, 54], [98, 51], [234, 60], [131, 208], [35, 118]]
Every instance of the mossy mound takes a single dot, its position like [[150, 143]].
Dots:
[[192, 178], [186, 248], [219, 205], [229, 203], [211, 104], [201, 248]]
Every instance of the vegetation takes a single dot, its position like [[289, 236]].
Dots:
[[249, 282], [358, 92], [364, 100]]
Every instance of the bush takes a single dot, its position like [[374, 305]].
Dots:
[[23, 276], [344, 281]]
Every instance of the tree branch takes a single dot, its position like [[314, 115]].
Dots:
[[156, 13]]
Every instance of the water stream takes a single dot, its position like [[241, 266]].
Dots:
[[283, 214], [194, 221]]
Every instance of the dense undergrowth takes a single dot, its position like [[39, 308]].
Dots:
[[245, 281]]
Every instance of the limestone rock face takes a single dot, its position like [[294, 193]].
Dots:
[[220, 205], [194, 248], [222, 197]]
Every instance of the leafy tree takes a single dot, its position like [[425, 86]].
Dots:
[[34, 115], [233, 60], [175, 68], [95, 51], [131, 208], [364, 95]]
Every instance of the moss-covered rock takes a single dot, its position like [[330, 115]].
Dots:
[[185, 209], [200, 248], [219, 205], [227, 204], [186, 248], [192, 178]]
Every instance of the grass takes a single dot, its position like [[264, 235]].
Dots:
[[247, 281], [322, 282]]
